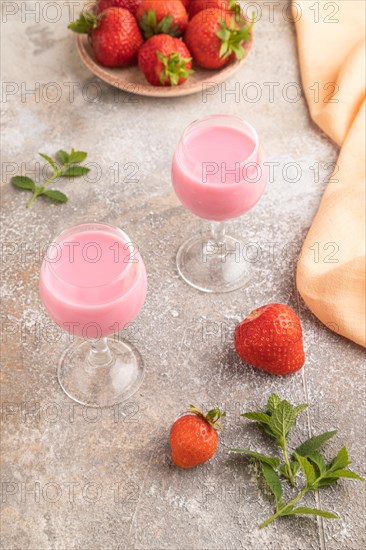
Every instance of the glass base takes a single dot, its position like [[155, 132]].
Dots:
[[213, 266], [102, 385]]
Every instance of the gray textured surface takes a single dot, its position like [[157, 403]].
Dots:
[[184, 336]]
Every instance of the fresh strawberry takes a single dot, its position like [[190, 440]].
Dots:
[[162, 17], [193, 437], [270, 338], [224, 5], [214, 37], [114, 35], [165, 61], [130, 5], [186, 4]]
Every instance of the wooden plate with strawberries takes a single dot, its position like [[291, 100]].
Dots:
[[157, 49]]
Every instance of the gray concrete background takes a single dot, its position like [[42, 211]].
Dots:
[[185, 336]]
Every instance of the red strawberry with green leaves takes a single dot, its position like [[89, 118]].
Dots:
[[130, 5], [193, 437], [224, 5], [270, 338], [114, 36], [162, 17], [165, 61], [214, 37]]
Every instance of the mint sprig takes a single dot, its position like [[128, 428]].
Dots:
[[67, 165], [277, 421]]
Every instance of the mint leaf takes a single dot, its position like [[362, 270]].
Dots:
[[311, 511], [282, 419], [260, 417], [77, 156], [63, 156], [294, 467], [23, 182], [340, 461], [319, 461], [326, 481], [299, 408], [55, 195], [75, 172], [307, 468], [273, 461], [273, 402], [273, 481], [314, 443], [346, 473], [49, 160]]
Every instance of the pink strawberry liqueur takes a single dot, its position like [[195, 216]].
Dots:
[[93, 283], [218, 171]]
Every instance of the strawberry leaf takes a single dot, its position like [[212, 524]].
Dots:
[[233, 36], [174, 68], [84, 24]]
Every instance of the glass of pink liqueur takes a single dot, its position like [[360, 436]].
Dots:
[[93, 284], [218, 173]]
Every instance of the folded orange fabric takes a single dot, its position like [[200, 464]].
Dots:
[[331, 271]]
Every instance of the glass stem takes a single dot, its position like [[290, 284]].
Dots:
[[217, 230], [99, 355]]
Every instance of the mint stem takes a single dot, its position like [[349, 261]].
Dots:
[[282, 511], [40, 190], [287, 460]]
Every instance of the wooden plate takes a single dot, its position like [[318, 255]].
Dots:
[[132, 80]]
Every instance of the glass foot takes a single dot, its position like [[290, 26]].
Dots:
[[213, 266], [105, 385]]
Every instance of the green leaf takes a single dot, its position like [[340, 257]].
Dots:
[[319, 461], [273, 461], [84, 24], [63, 156], [23, 182], [49, 160], [311, 511], [295, 466], [314, 443], [282, 419], [307, 468], [326, 481], [340, 461], [260, 417], [273, 401], [346, 473], [273, 481], [299, 408], [77, 156], [55, 195], [75, 171]]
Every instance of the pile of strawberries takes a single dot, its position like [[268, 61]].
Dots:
[[165, 36]]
